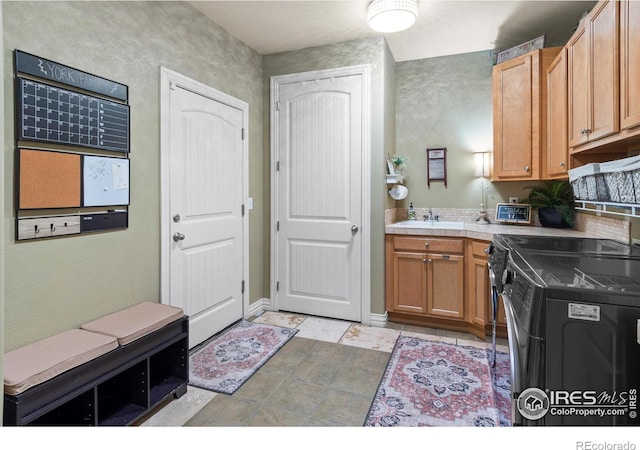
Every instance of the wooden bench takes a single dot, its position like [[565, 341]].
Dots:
[[111, 371]]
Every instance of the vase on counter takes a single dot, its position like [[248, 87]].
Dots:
[[551, 218]]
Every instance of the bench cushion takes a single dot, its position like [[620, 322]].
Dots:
[[38, 362], [132, 323]]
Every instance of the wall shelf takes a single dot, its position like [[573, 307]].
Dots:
[[394, 178], [617, 209]]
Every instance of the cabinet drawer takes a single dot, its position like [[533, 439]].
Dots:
[[478, 248], [422, 244]]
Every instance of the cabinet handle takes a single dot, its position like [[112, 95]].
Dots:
[[585, 131], [426, 244], [526, 168], [562, 164]]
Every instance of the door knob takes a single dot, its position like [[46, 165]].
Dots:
[[178, 237], [354, 229]]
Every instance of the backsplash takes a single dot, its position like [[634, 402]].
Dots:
[[597, 226], [605, 227], [444, 214]]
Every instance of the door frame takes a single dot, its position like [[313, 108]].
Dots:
[[168, 80], [365, 72]]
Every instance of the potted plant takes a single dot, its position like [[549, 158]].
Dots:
[[399, 163], [555, 203]]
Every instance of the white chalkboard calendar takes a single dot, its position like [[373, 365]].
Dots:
[[54, 114]]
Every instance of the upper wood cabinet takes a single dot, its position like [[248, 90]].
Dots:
[[629, 64], [555, 162], [593, 76], [519, 115]]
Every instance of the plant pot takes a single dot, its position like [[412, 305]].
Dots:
[[551, 218]]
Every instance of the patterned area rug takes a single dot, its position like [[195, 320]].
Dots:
[[430, 383], [229, 360], [501, 376]]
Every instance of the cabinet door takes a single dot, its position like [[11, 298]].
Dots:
[[578, 86], [557, 147], [445, 285], [594, 96], [409, 292], [629, 64], [479, 292], [514, 91], [604, 71]]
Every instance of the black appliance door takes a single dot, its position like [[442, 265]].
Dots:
[[593, 348]]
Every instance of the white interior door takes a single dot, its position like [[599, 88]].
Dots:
[[319, 151], [206, 241]]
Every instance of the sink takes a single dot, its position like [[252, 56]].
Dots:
[[429, 224]]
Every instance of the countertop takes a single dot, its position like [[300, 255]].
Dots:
[[485, 232]]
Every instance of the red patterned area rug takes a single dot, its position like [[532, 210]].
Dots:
[[430, 383], [226, 362]]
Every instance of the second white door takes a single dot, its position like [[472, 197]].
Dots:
[[319, 175]]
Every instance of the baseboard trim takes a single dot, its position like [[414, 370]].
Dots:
[[264, 304], [379, 320], [258, 307]]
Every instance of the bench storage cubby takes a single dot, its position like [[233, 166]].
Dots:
[[115, 388]]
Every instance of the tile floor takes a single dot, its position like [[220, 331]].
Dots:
[[327, 375]]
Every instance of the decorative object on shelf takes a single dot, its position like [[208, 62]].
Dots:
[[513, 213], [398, 192], [390, 16], [399, 163], [482, 169], [395, 165], [436, 165], [518, 50], [555, 203]]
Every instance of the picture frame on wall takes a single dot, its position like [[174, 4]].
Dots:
[[436, 165]]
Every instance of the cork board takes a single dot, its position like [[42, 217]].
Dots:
[[48, 180]]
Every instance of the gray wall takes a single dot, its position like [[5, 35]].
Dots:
[[446, 102], [58, 284], [373, 51]]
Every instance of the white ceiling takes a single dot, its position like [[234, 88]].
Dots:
[[444, 27]]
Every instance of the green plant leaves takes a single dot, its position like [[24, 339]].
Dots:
[[556, 194]]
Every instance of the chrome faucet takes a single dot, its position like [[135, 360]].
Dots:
[[430, 217]]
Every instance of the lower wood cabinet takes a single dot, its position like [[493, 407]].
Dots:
[[445, 286], [425, 279], [479, 292], [440, 282]]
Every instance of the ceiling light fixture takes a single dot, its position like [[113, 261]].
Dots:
[[390, 16]]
